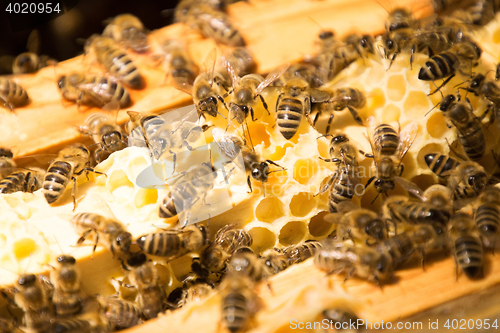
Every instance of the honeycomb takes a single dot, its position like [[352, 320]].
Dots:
[[289, 213]]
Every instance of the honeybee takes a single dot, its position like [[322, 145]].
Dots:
[[106, 134], [341, 99], [353, 47], [93, 90], [32, 296], [389, 148], [298, 253], [401, 209], [12, 94], [31, 61], [467, 246], [304, 71], [71, 161], [119, 313], [245, 261], [487, 215], [255, 166], [28, 180], [178, 64], [467, 180], [239, 302], [246, 89], [174, 243], [275, 261], [194, 290], [461, 58], [241, 60], [68, 296], [470, 132], [144, 276], [293, 102], [400, 247], [227, 241], [361, 261], [111, 233], [128, 30], [357, 223], [441, 164], [114, 60], [212, 23], [400, 18], [72, 325], [7, 163]]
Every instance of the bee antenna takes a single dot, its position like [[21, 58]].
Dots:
[[435, 106], [29, 262], [324, 136], [58, 245], [263, 188], [375, 198]]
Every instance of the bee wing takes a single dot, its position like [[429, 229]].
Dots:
[[346, 206], [411, 187], [318, 96], [406, 138], [209, 65], [184, 86], [33, 43], [225, 142], [235, 78], [370, 128], [271, 77]]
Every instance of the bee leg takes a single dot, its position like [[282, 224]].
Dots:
[[442, 85], [73, 192], [392, 59], [249, 184], [326, 186], [97, 241], [366, 155], [355, 115], [8, 299], [412, 56], [316, 119], [329, 123], [222, 101], [6, 103], [174, 157], [264, 104], [422, 259]]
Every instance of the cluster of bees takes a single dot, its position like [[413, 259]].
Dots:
[[368, 245]]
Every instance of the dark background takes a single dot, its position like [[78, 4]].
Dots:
[[58, 37]]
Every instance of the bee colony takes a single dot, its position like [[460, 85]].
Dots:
[[334, 210]]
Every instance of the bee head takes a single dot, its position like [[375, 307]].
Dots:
[[383, 186], [5, 152], [446, 102], [478, 181], [26, 280], [209, 105], [260, 171], [124, 241], [366, 43], [326, 35], [65, 259], [476, 82], [339, 139], [376, 229]]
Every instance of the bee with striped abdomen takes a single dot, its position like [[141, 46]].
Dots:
[[93, 90], [294, 101], [441, 164], [178, 64], [22, 180], [239, 302], [71, 162], [389, 148], [72, 326], [114, 60], [467, 246], [460, 58], [487, 215], [151, 296], [106, 134], [31, 61], [227, 241], [129, 31], [174, 243], [299, 253], [119, 313], [470, 130], [361, 261], [12, 95], [68, 296], [107, 231]]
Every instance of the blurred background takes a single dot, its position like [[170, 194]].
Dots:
[[59, 37]]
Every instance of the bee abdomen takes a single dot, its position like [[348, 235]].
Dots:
[[469, 255], [71, 325], [488, 219], [167, 208], [124, 67], [14, 93], [13, 183], [235, 312], [438, 67], [161, 244], [387, 138], [440, 164], [289, 114], [342, 190], [473, 143], [56, 180], [67, 305]]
